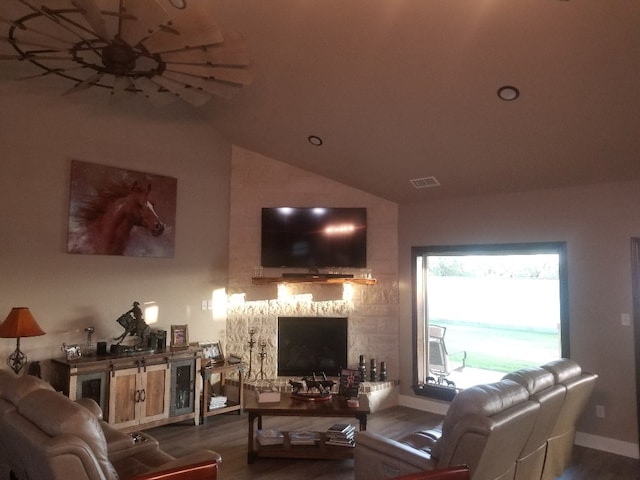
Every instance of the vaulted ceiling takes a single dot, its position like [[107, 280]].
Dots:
[[407, 89]]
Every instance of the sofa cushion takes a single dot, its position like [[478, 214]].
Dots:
[[17, 388], [563, 369], [56, 415], [533, 379]]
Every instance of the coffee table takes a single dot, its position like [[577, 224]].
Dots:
[[290, 407]]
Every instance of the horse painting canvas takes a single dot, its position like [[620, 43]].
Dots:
[[114, 211]]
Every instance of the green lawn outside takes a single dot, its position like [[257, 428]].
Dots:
[[490, 347]]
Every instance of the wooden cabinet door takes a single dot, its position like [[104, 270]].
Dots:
[[124, 398], [155, 390]]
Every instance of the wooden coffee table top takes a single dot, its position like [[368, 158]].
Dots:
[[288, 406]]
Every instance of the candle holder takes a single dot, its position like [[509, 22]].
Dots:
[[252, 342], [383, 371], [373, 376], [262, 356], [362, 369]]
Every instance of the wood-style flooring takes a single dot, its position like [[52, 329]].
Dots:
[[227, 435]]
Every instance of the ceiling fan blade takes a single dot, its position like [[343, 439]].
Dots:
[[153, 92], [55, 71], [141, 18], [209, 55], [193, 96], [91, 12], [214, 87], [46, 47], [35, 35], [191, 27], [240, 75], [85, 84], [121, 90]]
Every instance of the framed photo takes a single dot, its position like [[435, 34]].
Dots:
[[179, 337], [349, 383], [72, 352], [212, 351]]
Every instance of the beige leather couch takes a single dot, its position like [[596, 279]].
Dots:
[[521, 427], [46, 436]]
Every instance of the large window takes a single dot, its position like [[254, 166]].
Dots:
[[483, 311]]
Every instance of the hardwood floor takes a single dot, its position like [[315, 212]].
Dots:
[[227, 435]]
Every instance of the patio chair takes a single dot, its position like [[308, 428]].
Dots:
[[439, 364]]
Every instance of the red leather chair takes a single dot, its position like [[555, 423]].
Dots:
[[451, 473]]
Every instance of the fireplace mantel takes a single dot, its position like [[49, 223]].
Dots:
[[313, 279]]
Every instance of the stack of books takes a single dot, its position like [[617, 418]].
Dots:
[[270, 437], [303, 438], [341, 434], [217, 402]]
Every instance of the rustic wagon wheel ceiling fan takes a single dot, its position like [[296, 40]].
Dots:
[[163, 49]]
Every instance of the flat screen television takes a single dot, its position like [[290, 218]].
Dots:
[[314, 237], [308, 345]]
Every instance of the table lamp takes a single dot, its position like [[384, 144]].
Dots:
[[19, 323]]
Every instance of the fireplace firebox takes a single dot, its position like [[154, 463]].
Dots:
[[308, 345]]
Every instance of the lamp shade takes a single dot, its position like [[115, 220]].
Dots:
[[20, 323]]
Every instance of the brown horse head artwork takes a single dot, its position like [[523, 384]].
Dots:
[[109, 217]]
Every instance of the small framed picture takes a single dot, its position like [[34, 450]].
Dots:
[[72, 352], [212, 351], [179, 337], [349, 383]]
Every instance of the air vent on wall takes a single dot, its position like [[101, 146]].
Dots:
[[425, 182]]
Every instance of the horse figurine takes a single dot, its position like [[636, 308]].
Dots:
[[311, 386], [133, 324], [110, 216]]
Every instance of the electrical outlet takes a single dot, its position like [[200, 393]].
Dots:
[[625, 319], [600, 411], [209, 304], [204, 304]]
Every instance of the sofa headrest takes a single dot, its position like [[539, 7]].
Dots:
[[534, 379], [6, 377], [16, 388], [56, 415], [563, 369], [485, 400]]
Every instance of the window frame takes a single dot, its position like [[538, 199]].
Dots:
[[418, 303]]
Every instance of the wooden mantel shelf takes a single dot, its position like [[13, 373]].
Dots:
[[312, 279]]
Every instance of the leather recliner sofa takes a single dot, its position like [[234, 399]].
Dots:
[[485, 428], [521, 427], [45, 435]]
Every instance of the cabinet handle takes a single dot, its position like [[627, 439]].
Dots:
[[136, 396], [143, 395]]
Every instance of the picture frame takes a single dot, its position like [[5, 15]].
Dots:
[[212, 351], [179, 337], [349, 383], [72, 352]]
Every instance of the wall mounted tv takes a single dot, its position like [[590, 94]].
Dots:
[[314, 237]]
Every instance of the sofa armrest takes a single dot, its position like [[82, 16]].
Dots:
[[379, 457], [200, 465]]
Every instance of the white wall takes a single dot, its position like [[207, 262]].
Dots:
[[597, 223], [40, 133]]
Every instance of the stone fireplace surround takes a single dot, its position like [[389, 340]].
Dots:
[[364, 334]]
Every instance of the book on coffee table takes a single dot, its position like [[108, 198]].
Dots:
[[270, 437], [303, 438]]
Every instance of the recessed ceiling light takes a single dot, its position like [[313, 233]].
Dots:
[[315, 140], [181, 4], [508, 93]]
